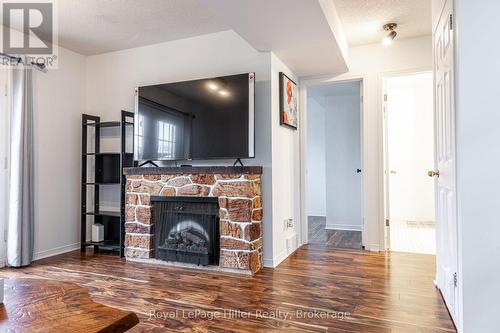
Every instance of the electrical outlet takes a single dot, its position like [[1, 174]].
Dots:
[[287, 224]]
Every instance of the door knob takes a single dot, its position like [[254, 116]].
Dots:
[[433, 173]]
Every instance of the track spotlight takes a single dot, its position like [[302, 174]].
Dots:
[[391, 28]]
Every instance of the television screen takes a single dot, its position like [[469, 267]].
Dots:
[[192, 120]]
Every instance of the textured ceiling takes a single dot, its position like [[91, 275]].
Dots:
[[301, 33], [99, 26], [363, 19]]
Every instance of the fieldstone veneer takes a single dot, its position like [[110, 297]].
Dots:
[[238, 190]]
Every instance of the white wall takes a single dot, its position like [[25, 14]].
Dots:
[[478, 161], [316, 159], [112, 77], [285, 173], [59, 102], [104, 84], [371, 62]]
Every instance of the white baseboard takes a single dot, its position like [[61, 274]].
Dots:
[[55, 251], [372, 247], [3, 262], [316, 215], [274, 262], [347, 227]]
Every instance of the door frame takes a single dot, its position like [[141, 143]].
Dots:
[[381, 144], [304, 85], [384, 149]]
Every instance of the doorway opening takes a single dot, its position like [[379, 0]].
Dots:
[[408, 157], [334, 164]]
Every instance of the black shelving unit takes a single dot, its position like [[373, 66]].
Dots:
[[107, 171]]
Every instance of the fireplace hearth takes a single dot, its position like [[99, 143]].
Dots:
[[239, 215], [187, 229]]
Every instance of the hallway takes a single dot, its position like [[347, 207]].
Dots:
[[344, 239]]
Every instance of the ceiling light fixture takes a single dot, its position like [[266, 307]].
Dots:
[[224, 93], [212, 86], [391, 28]]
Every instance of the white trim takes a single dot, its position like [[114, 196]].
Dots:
[[55, 251], [251, 115], [342, 226], [268, 263], [373, 247], [381, 145], [304, 232], [274, 262]]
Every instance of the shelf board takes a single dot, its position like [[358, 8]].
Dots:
[[106, 124], [112, 244], [105, 213], [110, 153], [110, 124]]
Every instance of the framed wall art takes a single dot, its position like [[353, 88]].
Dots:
[[289, 102]]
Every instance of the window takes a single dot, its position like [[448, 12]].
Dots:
[[166, 140]]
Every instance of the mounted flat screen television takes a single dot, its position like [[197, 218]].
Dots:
[[196, 120]]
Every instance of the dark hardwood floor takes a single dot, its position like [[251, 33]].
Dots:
[[343, 239], [382, 292]]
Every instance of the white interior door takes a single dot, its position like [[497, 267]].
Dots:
[[446, 217]]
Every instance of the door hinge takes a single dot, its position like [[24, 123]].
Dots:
[[387, 222], [385, 97], [455, 279], [451, 21]]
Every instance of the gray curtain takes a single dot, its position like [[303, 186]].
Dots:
[[21, 194]]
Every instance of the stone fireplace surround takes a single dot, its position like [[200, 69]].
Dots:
[[238, 190]]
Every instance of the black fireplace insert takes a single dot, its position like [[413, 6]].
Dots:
[[186, 229]]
